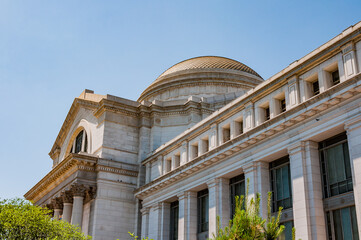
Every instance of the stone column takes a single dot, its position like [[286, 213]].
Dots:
[[191, 215], [213, 210], [187, 225], [250, 174], [182, 220], [224, 202], [307, 193], [145, 221], [155, 214], [314, 186], [58, 207], [165, 221], [78, 198], [263, 186], [353, 128], [68, 205], [299, 190]]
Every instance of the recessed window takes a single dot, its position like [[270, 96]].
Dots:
[[80, 143], [202, 211], [335, 77], [237, 188], [283, 105], [174, 215], [238, 127], [267, 113], [335, 166], [315, 88], [194, 150], [226, 132], [342, 224], [281, 184], [168, 165]]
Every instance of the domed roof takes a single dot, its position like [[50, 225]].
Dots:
[[202, 76], [208, 62]]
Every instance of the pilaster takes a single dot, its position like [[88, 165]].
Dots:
[[353, 128], [213, 206]]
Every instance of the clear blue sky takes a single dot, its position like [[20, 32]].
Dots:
[[51, 50]]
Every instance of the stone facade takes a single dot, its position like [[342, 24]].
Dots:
[[167, 165]]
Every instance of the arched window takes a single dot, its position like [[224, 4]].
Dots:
[[80, 143]]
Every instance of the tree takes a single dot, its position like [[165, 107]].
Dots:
[[247, 222], [20, 219]]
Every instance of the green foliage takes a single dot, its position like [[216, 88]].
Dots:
[[19, 219], [247, 222], [136, 237]]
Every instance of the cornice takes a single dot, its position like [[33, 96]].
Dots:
[[281, 123], [79, 162], [72, 161]]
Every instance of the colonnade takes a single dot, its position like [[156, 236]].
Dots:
[[307, 210], [70, 203]]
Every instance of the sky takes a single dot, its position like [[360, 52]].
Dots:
[[50, 51]]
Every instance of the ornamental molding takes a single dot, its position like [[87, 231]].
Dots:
[[281, 123], [78, 162]]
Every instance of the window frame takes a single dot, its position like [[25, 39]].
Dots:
[[326, 144], [274, 165], [202, 227]]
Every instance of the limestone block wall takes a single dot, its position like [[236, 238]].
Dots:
[[120, 138], [114, 207]]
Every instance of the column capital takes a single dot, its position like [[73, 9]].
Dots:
[[296, 147], [249, 167], [67, 196], [353, 123], [78, 190], [90, 194], [223, 180], [212, 183], [262, 164], [156, 206], [145, 210], [182, 195], [57, 203]]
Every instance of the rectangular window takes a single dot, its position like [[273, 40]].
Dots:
[[342, 224], [174, 215], [283, 105], [226, 132], [315, 88], [335, 77], [267, 114], [281, 184], [194, 149], [335, 166], [168, 165], [202, 211], [237, 188]]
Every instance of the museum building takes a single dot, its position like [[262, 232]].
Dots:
[[165, 166]]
